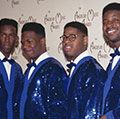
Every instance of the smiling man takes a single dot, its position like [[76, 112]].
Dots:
[[111, 33], [86, 76], [43, 95]]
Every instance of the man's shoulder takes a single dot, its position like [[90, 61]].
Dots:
[[16, 64], [90, 63], [51, 61]]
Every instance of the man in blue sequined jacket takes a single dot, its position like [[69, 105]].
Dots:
[[44, 94], [111, 34], [86, 77], [11, 76]]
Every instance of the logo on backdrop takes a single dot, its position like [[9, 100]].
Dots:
[[22, 19], [102, 51], [87, 18], [39, 1], [54, 21], [13, 3]]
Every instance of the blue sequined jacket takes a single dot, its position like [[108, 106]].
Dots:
[[85, 90], [116, 113], [44, 94], [10, 91], [112, 100]]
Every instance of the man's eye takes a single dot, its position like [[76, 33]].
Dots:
[[2, 35], [72, 36]]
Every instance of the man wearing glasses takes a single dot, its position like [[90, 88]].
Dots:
[[86, 75]]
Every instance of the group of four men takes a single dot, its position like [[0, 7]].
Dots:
[[45, 91]]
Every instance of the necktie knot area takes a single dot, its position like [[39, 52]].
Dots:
[[29, 65], [70, 65], [8, 60], [116, 53]]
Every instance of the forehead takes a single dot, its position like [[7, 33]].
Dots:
[[71, 30], [28, 34], [112, 13], [7, 27]]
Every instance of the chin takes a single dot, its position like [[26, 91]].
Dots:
[[68, 57]]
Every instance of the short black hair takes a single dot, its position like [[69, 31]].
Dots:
[[78, 25], [7, 21], [34, 26], [111, 6]]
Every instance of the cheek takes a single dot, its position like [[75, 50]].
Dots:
[[78, 48], [12, 42], [38, 50], [119, 30], [2, 41]]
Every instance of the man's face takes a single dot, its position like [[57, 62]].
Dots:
[[32, 45], [8, 39], [74, 43], [111, 27]]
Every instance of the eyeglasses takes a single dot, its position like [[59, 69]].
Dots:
[[71, 37]]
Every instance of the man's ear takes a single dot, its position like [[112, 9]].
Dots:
[[43, 44], [42, 41], [16, 44], [85, 40]]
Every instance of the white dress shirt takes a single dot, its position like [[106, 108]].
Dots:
[[40, 58], [115, 60], [81, 56], [7, 65]]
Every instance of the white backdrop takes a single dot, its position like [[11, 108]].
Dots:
[[54, 14]]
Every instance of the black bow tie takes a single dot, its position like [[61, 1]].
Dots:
[[116, 53], [70, 65], [8, 60], [29, 65]]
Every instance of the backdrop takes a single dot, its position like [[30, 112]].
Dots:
[[54, 14]]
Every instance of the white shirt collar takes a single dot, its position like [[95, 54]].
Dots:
[[81, 56], [119, 48], [115, 60], [116, 48], [2, 56], [42, 57]]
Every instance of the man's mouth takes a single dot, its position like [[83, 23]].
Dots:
[[67, 48], [111, 31]]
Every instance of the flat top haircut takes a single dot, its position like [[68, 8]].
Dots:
[[111, 6], [80, 26], [36, 27], [7, 21]]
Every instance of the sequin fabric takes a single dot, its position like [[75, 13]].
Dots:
[[10, 91], [85, 90], [112, 99], [45, 95]]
